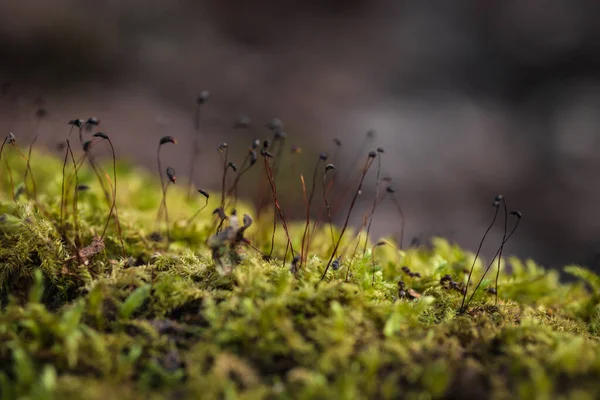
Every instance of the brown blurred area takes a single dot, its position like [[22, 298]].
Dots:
[[468, 98]]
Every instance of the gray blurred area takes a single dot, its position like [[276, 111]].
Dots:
[[469, 98]]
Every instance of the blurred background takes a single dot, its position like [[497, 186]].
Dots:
[[468, 99]]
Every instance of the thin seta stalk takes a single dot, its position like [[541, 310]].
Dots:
[[2, 146], [40, 114], [366, 167], [358, 235], [501, 248], [28, 170], [496, 205], [206, 196], [498, 252], [163, 140], [380, 151], [338, 149], [75, 195], [327, 188], [77, 122], [6, 139], [114, 194], [248, 163], [243, 122], [172, 178], [266, 155], [519, 215], [276, 127], [305, 250], [87, 155], [328, 167], [62, 191], [305, 199], [340, 200], [278, 142], [392, 192], [295, 151], [223, 150], [366, 217], [10, 138]]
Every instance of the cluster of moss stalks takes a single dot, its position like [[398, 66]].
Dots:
[[166, 322]]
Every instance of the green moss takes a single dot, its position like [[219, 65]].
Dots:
[[168, 322]]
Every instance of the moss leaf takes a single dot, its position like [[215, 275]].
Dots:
[[134, 301]]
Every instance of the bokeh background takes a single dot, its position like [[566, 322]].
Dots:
[[469, 98]]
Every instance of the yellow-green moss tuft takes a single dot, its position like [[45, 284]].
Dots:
[[167, 321]]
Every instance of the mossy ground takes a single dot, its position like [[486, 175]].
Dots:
[[105, 330]]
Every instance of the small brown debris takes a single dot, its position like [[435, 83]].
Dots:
[[90, 251]]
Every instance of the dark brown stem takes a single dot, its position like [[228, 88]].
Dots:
[[117, 221], [462, 305], [233, 189], [62, 192], [224, 179], [280, 142], [491, 263], [273, 231], [2, 147], [10, 178], [325, 208], [305, 199], [374, 204], [263, 195], [338, 202], [75, 193], [501, 247], [304, 251], [277, 206], [287, 247], [328, 207], [367, 215], [87, 156], [114, 201], [358, 235], [166, 212], [28, 167], [220, 224], [362, 178], [18, 149]]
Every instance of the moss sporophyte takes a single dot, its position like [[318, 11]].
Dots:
[[94, 310]]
